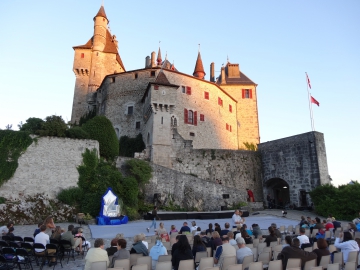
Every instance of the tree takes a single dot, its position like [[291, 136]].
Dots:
[[32, 125], [53, 126]]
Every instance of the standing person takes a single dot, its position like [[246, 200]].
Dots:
[[155, 217], [236, 218], [96, 254], [250, 195]]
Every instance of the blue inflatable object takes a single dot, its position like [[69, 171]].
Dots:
[[110, 210]]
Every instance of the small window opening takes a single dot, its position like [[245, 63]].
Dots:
[[192, 134], [152, 73], [137, 125], [136, 75], [130, 110]]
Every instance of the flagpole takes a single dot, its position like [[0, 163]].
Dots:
[[309, 98]]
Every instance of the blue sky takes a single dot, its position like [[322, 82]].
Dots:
[[275, 43]]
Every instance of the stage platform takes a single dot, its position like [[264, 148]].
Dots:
[[135, 227], [195, 215]]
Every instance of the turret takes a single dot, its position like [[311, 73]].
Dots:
[[100, 28], [159, 59], [199, 68], [212, 72]]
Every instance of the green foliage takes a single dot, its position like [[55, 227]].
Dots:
[[2, 200], [128, 146], [250, 146], [53, 126], [77, 133], [71, 196], [12, 145], [86, 117], [100, 128], [342, 202], [32, 125], [140, 169], [130, 192], [238, 205], [132, 213]]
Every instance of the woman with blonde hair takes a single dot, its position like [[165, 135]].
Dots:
[[56, 234], [163, 233], [138, 246], [216, 240], [173, 229]]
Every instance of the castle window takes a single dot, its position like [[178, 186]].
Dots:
[[188, 90], [130, 110], [220, 101], [246, 93], [192, 134], [206, 95], [230, 108], [113, 79], [82, 55], [183, 89], [202, 117], [152, 73], [162, 120], [156, 87], [190, 117], [136, 75], [230, 129], [137, 125], [227, 126]]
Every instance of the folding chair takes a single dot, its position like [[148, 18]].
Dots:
[[260, 247], [256, 266], [350, 266], [144, 260], [199, 255], [256, 242], [338, 258], [209, 251], [10, 256], [264, 258], [247, 260], [290, 229], [228, 260], [140, 267], [29, 240], [282, 229], [249, 245], [275, 265], [333, 266], [255, 253], [353, 256], [308, 249], [309, 264], [26, 258], [134, 257], [206, 263], [186, 265], [332, 248], [18, 239], [317, 268], [4, 263], [235, 267], [125, 263], [163, 266], [52, 254], [164, 258], [293, 263], [325, 260], [66, 248], [98, 266]]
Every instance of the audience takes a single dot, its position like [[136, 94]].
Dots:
[[271, 237], [244, 234], [322, 249], [276, 231], [96, 254], [288, 240], [224, 250], [185, 229], [113, 247], [217, 228], [226, 230], [198, 245], [216, 240], [38, 229], [68, 236], [56, 235], [182, 252], [243, 250], [205, 239], [231, 238], [194, 227], [303, 239], [121, 252], [346, 245], [256, 231], [157, 250], [352, 227], [210, 230], [10, 234], [42, 238], [173, 229], [138, 246], [329, 224], [5, 229]]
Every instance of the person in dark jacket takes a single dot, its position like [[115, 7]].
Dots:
[[198, 245], [138, 246], [185, 229], [271, 237], [155, 217], [183, 252], [216, 240], [226, 230], [322, 249], [294, 252], [113, 248]]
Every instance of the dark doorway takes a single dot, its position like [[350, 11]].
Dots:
[[278, 189], [303, 200]]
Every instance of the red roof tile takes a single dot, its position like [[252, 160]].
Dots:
[[101, 13], [199, 65]]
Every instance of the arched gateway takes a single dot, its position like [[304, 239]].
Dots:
[[278, 189]]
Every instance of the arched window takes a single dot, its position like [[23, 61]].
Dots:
[[190, 117]]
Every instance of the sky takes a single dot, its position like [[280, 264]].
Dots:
[[275, 43]]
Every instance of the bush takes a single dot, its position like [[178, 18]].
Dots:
[[32, 125], [86, 117], [130, 192], [342, 202], [12, 145], [71, 196], [2, 200], [132, 213], [77, 133], [53, 126], [140, 169], [100, 128], [128, 146]]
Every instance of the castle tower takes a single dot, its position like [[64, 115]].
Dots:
[[159, 59], [92, 62], [199, 68]]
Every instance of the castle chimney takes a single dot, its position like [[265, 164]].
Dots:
[[153, 55], [147, 62], [212, 72], [223, 79]]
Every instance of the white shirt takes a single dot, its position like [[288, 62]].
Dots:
[[236, 218], [41, 238], [193, 228], [4, 229], [303, 239]]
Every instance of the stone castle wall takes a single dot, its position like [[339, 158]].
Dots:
[[47, 166]]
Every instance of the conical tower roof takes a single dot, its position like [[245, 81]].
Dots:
[[199, 68], [159, 59], [101, 13]]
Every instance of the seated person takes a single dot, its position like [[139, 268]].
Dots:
[[277, 232], [329, 225], [198, 245], [294, 251], [38, 229], [303, 239], [173, 229], [243, 250], [248, 239], [182, 252], [121, 252], [41, 238], [68, 236], [223, 251], [210, 230], [256, 231], [226, 230], [96, 254], [56, 234], [271, 237], [322, 249], [5, 229], [231, 238], [81, 235], [10, 234], [113, 247], [157, 250], [205, 239], [193, 226], [185, 229], [138, 246]]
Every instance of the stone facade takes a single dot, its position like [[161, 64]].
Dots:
[[47, 166], [294, 166]]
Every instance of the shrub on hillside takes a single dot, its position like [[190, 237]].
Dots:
[[86, 117], [128, 146], [140, 169], [32, 125], [100, 128], [130, 192], [77, 133], [342, 202], [53, 126], [71, 196]]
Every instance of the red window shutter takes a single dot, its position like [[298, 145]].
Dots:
[[82, 55], [230, 108], [156, 87], [230, 128], [227, 126], [188, 90], [206, 95], [243, 93], [185, 116], [250, 93], [202, 117], [218, 101], [195, 118]]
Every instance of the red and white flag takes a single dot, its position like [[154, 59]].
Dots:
[[313, 100], [308, 80]]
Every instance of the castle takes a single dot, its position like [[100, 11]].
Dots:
[[158, 100]]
